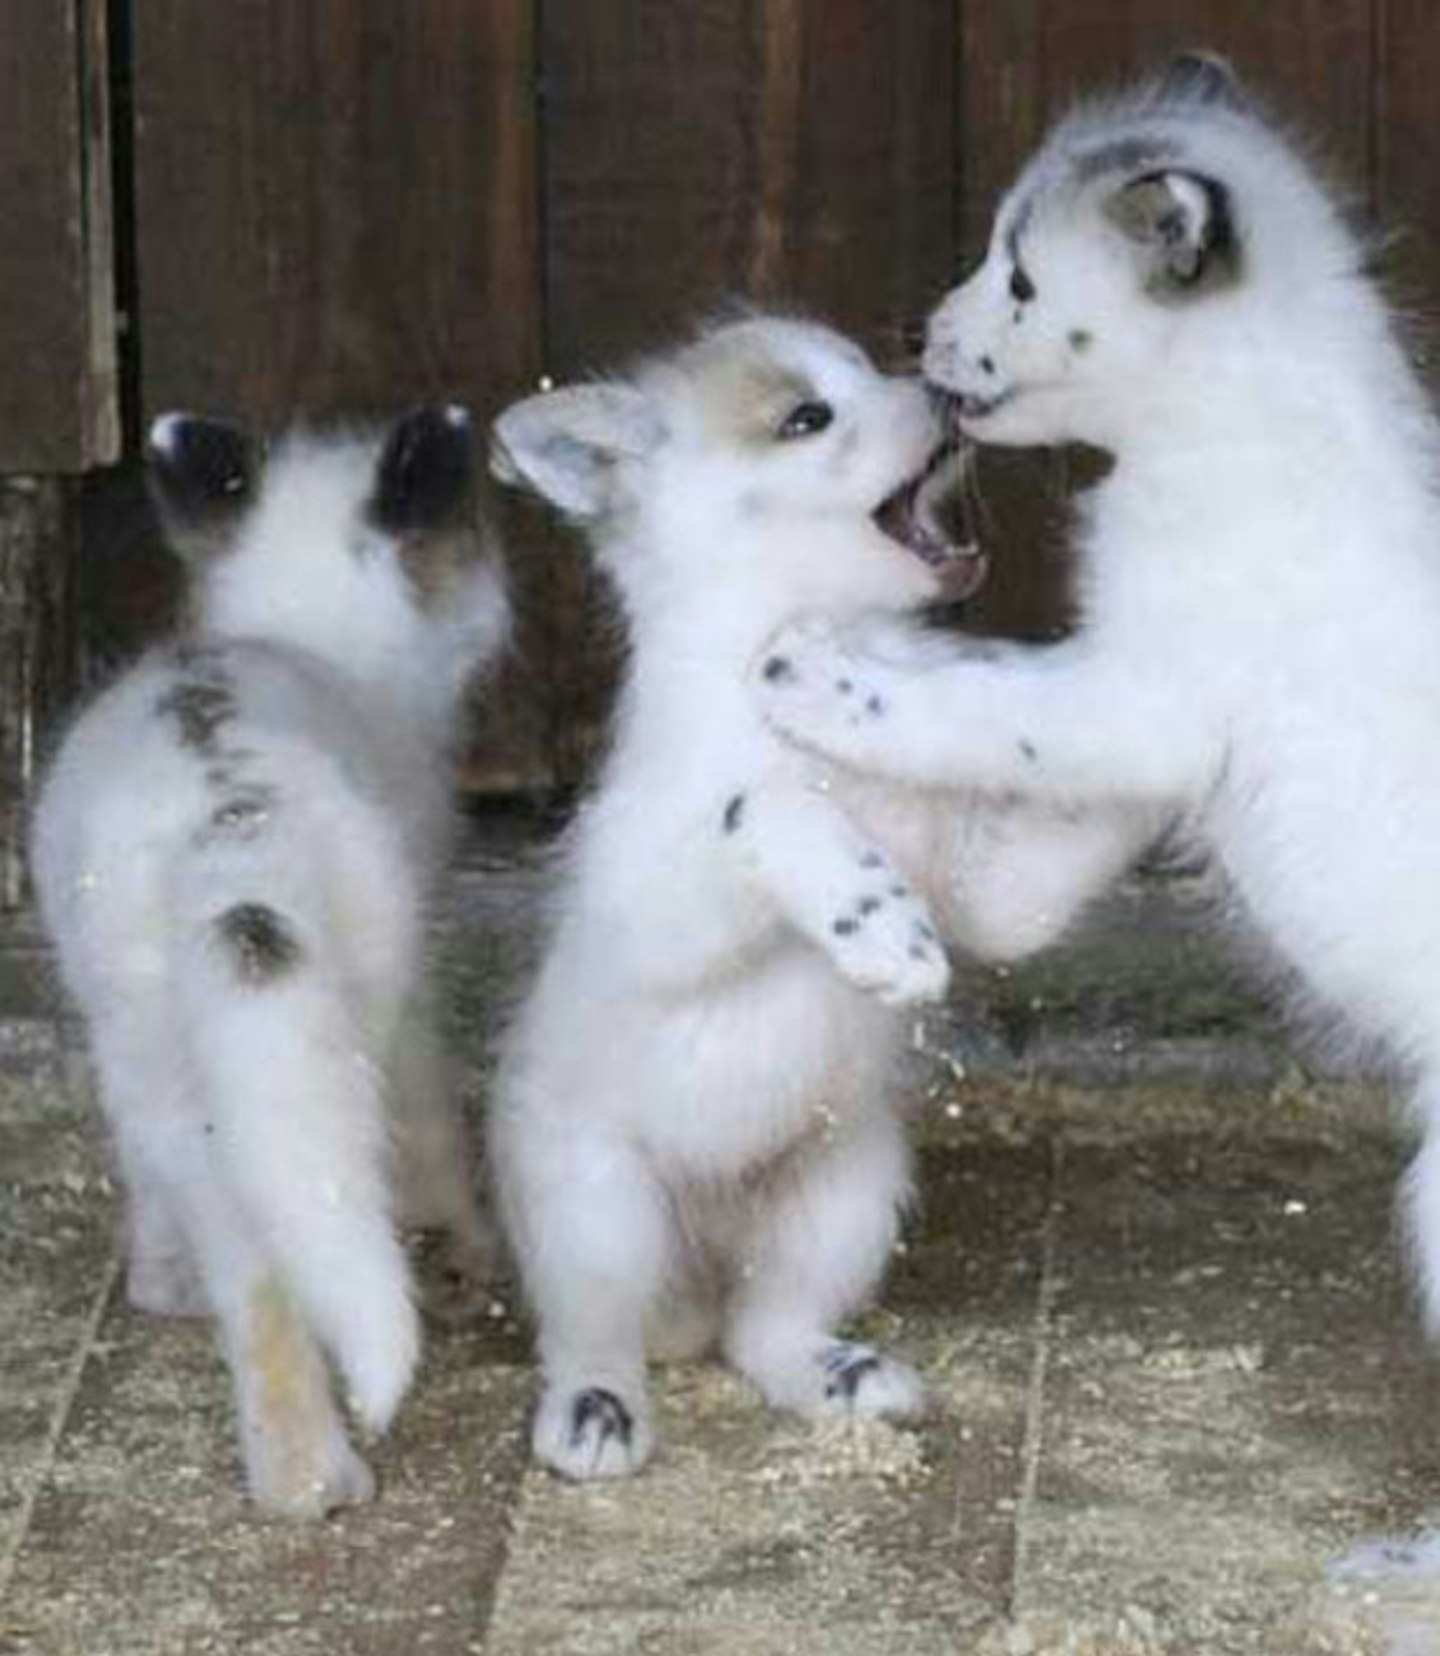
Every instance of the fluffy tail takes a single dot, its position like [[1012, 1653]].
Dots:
[[295, 1095]]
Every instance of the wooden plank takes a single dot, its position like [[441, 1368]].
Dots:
[[58, 407], [787, 151], [37, 531], [1407, 155], [334, 203], [337, 214]]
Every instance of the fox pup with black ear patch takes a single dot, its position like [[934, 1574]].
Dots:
[[1170, 280], [694, 1132], [233, 853]]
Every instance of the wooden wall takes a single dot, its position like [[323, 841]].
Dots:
[[336, 206]]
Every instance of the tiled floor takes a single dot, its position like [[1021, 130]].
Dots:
[[1173, 1356]]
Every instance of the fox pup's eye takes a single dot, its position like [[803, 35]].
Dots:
[[805, 419], [1022, 289]]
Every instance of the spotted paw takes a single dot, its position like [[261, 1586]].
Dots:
[[859, 1380], [883, 940], [592, 1432], [819, 695]]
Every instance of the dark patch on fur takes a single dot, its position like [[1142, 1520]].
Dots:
[[202, 481], [199, 706], [425, 475], [1028, 750], [868, 905], [1080, 339], [777, 669], [874, 706], [1141, 152], [603, 1411], [845, 927], [734, 813], [871, 859], [846, 1367], [1180, 266], [260, 944]]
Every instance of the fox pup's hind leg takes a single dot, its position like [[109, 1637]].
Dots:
[[824, 1245]]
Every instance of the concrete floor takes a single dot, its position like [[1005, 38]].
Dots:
[[1152, 1281]]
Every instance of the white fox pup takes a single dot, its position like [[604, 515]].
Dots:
[[1260, 645], [234, 852], [694, 1133]]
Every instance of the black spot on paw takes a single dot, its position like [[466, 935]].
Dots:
[[778, 669], [846, 1367], [600, 1411], [734, 813]]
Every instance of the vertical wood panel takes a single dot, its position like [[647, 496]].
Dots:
[[1407, 151], [58, 410], [337, 212], [335, 202], [791, 151]]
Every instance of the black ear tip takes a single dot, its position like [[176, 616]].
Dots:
[[426, 469], [1204, 77], [197, 463]]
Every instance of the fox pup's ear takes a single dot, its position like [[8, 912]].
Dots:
[[202, 476], [1201, 77], [570, 445], [425, 476], [1181, 224]]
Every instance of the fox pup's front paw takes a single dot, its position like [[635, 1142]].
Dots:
[[883, 940], [822, 697]]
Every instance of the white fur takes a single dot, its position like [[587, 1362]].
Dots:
[[253, 1119], [693, 1132], [1261, 571]]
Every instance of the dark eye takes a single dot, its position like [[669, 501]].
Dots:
[[1022, 289], [805, 419]]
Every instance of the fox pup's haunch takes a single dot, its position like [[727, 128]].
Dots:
[[234, 852]]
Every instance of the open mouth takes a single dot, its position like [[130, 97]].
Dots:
[[927, 516]]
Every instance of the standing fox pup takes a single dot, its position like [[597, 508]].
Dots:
[[693, 1133], [1260, 647], [233, 854]]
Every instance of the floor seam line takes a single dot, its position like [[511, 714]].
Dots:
[[1032, 1440], [59, 1420]]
